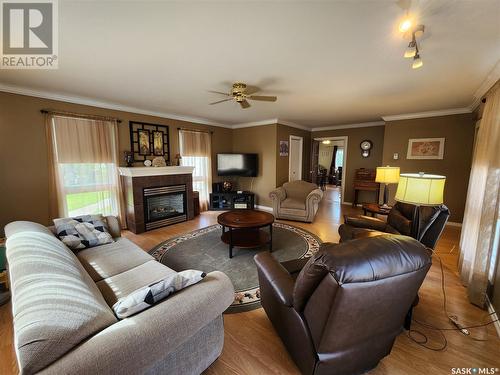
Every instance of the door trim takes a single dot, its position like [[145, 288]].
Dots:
[[344, 138], [297, 138]]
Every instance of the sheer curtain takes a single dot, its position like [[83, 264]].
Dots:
[[196, 151], [83, 158], [482, 206]]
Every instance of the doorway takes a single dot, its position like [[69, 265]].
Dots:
[[330, 161], [295, 158]]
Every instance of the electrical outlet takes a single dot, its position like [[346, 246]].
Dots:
[[395, 156]]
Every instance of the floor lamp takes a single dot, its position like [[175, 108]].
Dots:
[[420, 189], [387, 175]]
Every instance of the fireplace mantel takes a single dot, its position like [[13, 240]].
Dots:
[[154, 171]]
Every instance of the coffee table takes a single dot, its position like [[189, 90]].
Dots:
[[375, 209], [244, 229]]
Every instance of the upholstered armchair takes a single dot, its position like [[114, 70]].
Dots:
[[424, 223], [340, 311], [296, 200]]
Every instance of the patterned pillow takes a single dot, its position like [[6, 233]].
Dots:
[[82, 231], [147, 296]]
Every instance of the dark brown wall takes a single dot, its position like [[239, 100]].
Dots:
[[354, 158], [282, 168], [23, 148], [456, 163]]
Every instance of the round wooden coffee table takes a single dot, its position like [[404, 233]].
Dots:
[[245, 229]]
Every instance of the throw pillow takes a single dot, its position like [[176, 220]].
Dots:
[[82, 231], [145, 297]]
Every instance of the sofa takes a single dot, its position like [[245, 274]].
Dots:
[[296, 200], [424, 223], [339, 312], [64, 324]]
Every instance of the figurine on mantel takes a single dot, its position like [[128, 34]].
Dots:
[[129, 158], [159, 161], [178, 159]]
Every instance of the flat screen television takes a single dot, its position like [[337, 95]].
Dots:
[[244, 165]]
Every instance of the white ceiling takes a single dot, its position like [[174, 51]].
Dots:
[[330, 62]]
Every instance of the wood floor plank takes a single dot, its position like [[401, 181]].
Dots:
[[252, 346]]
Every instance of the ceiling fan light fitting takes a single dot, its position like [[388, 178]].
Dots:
[[411, 50], [417, 62]]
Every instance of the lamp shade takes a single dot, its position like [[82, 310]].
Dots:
[[420, 189], [387, 175]]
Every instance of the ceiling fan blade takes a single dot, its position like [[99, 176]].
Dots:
[[220, 101], [218, 92], [244, 104], [263, 98]]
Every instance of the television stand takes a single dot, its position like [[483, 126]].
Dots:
[[232, 201]]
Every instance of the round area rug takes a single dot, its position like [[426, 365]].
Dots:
[[203, 250]]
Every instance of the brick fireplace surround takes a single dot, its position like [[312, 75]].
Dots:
[[136, 179]]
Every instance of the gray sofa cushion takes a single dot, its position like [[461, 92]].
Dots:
[[56, 305], [111, 259], [121, 285]]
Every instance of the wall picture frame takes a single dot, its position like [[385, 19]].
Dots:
[[425, 148], [283, 148], [144, 145], [148, 141], [158, 143]]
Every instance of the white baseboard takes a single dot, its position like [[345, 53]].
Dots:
[[264, 208], [494, 316], [454, 224]]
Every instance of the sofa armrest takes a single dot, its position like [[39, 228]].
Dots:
[[137, 342], [278, 194], [368, 222], [277, 277], [314, 196], [114, 226]]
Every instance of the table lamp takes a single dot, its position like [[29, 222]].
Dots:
[[387, 175]]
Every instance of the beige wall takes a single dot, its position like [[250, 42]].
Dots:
[[354, 158], [23, 158], [459, 133], [282, 167], [262, 141]]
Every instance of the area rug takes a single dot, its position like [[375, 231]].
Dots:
[[203, 250]]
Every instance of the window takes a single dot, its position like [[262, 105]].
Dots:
[[339, 158], [85, 174], [195, 148]]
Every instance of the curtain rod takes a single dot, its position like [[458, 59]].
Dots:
[[80, 115], [195, 130]]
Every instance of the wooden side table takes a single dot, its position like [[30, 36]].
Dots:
[[375, 209]]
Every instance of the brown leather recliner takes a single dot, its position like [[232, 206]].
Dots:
[[347, 304], [424, 223]]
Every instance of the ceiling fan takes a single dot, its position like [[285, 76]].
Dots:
[[240, 94]]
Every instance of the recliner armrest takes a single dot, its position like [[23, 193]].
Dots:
[[278, 277], [361, 221], [278, 194]]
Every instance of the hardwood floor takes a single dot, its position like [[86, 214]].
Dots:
[[252, 346]]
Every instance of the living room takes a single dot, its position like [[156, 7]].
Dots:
[[202, 187]]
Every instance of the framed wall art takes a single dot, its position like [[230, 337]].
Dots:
[[148, 141], [425, 148]]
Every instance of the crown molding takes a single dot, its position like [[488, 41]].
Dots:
[[242, 125], [107, 105], [443, 112], [349, 126], [293, 125], [492, 77]]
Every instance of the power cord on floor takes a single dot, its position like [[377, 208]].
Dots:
[[422, 339]]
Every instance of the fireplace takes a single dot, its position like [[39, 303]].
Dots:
[[164, 205]]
